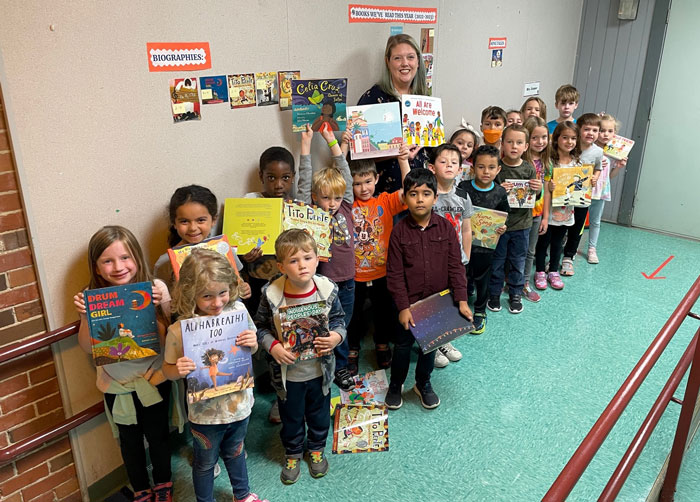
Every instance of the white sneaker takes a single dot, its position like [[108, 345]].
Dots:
[[450, 352], [217, 470], [440, 360], [592, 256]]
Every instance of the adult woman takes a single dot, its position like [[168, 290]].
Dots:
[[404, 73]]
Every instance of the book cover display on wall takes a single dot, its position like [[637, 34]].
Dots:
[[219, 244], [375, 129], [285, 79], [266, 88], [301, 325], [320, 103], [572, 186], [484, 224], [438, 321], [241, 90], [184, 99], [360, 429], [214, 90], [422, 121]]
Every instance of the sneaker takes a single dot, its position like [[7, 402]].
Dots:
[[143, 496], [251, 498], [567, 267], [494, 304], [163, 492], [529, 294], [541, 280], [393, 399], [515, 304], [383, 356], [343, 379], [353, 360], [290, 471], [592, 256], [274, 415], [555, 281], [318, 464], [479, 323], [440, 359], [449, 351], [217, 469], [428, 398]]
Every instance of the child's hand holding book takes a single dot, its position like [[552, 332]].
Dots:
[[325, 344], [406, 319], [185, 366], [281, 355]]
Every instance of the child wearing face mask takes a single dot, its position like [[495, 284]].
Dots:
[[493, 120]]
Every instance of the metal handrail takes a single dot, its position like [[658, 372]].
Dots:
[[590, 445]]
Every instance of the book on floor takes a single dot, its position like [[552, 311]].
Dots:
[[375, 129], [219, 244], [422, 122], [572, 186], [370, 388], [319, 103], [301, 325], [438, 321], [360, 429], [122, 323], [222, 366], [484, 224], [521, 195], [619, 147]]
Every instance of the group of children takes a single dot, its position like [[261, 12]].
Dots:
[[379, 252]]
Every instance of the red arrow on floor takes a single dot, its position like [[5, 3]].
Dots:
[[653, 274]]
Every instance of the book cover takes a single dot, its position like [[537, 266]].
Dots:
[[184, 99], [319, 103], [219, 244], [300, 325], [438, 321], [572, 186], [241, 90], [122, 322], [521, 195], [375, 129], [285, 79], [311, 219], [422, 122], [222, 366], [251, 223], [360, 429], [370, 388], [619, 147], [266, 88], [484, 224], [428, 62], [213, 89]]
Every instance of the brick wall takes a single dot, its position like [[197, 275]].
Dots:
[[29, 394]]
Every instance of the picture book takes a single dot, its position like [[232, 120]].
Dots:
[[422, 122], [213, 89], [266, 88], [484, 224], [311, 219], [122, 322], [300, 325], [251, 223], [572, 186], [618, 148], [184, 99], [438, 321], [219, 244], [241, 90], [360, 429], [334, 402], [222, 366], [319, 103], [428, 62], [375, 129], [285, 85], [370, 388], [521, 195]]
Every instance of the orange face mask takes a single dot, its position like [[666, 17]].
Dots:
[[492, 136]]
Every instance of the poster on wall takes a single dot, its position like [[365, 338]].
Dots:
[[285, 85], [213, 89], [241, 90], [428, 62], [427, 40], [184, 99], [385, 14], [178, 56], [266, 88], [496, 58], [320, 103]]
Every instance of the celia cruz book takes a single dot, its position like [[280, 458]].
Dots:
[[319, 103]]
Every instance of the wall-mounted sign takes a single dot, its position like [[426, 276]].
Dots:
[[531, 89], [385, 14], [497, 42], [178, 56]]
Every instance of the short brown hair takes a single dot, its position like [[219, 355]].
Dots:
[[362, 167], [292, 240], [517, 128], [566, 92], [589, 119], [494, 112], [543, 107]]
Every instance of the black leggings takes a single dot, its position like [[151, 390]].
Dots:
[[551, 241], [573, 236]]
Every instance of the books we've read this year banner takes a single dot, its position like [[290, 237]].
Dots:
[[484, 224], [521, 195], [422, 122], [438, 321], [122, 322], [320, 103], [301, 325], [375, 129], [213, 89], [572, 186], [222, 366], [219, 244], [360, 429], [184, 99]]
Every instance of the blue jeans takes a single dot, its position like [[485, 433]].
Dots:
[[346, 295], [512, 246], [211, 442], [305, 413], [596, 214]]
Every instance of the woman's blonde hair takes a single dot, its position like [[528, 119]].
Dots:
[[418, 86], [105, 237], [200, 268]]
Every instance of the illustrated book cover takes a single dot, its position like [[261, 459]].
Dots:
[[301, 325], [266, 88], [184, 99], [213, 89], [222, 366], [422, 122], [370, 388], [438, 321], [484, 224], [619, 147], [311, 219], [122, 322], [285, 79], [320, 103], [251, 223], [572, 186], [428, 62], [360, 429], [375, 129], [521, 195], [219, 244], [241, 90]]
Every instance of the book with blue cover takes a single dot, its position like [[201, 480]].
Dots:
[[320, 103], [438, 321], [213, 89], [122, 322], [375, 129]]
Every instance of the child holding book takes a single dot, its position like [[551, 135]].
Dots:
[[115, 258], [493, 120], [209, 286], [483, 192], [331, 189], [513, 244], [534, 107], [566, 101], [303, 386], [373, 220], [456, 207], [424, 258]]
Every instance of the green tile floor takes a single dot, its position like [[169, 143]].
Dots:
[[517, 405]]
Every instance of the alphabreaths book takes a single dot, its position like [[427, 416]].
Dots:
[[375, 130], [422, 122], [484, 224], [437, 321], [360, 429], [122, 322], [301, 325], [319, 103]]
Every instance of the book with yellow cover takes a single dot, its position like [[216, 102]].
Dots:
[[251, 223], [313, 220], [572, 186], [219, 244]]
